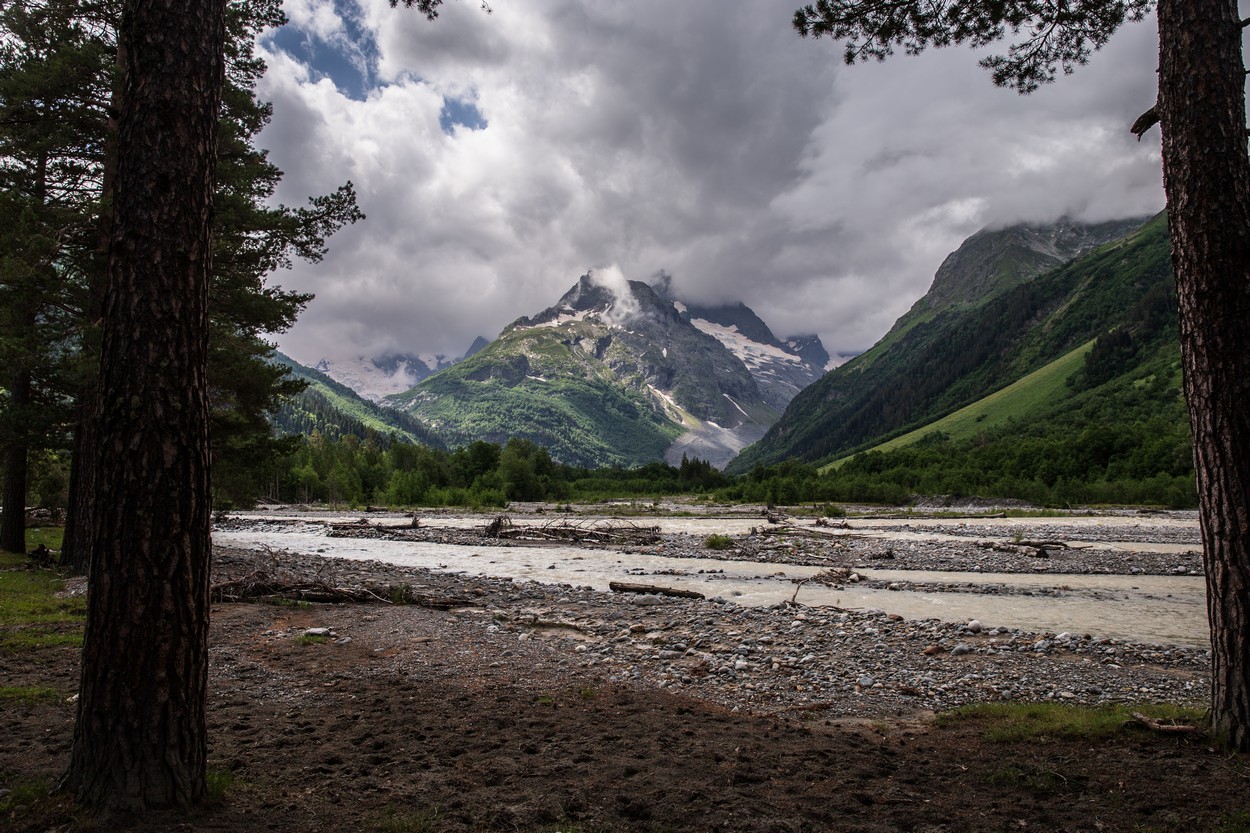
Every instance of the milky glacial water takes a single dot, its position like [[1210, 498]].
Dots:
[[1156, 609]]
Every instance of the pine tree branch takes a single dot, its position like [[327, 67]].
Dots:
[[1145, 121]]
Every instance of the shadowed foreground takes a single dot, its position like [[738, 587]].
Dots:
[[418, 724]]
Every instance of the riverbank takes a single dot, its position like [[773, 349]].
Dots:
[[776, 659]]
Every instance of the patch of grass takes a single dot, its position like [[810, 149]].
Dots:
[[28, 694], [586, 693], [33, 639], [1026, 777], [1017, 722], [24, 794], [49, 536], [419, 821], [216, 783], [545, 700], [832, 510], [311, 639], [28, 597], [278, 601], [1232, 823], [31, 615], [718, 542]]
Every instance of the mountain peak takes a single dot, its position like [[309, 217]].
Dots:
[[781, 368], [603, 296], [995, 260]]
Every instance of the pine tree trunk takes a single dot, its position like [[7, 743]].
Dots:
[[76, 543], [140, 736], [1207, 179], [13, 491]]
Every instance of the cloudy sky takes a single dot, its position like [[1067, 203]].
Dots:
[[500, 156]]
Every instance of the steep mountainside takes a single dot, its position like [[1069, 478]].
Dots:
[[606, 376], [963, 347], [780, 368], [335, 410]]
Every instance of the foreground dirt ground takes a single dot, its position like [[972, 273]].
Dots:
[[418, 724]]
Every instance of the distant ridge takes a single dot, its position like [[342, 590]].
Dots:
[[780, 368]]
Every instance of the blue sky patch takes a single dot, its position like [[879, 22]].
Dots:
[[455, 111], [350, 62]]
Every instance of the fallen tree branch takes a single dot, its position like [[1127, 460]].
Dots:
[[1169, 728]]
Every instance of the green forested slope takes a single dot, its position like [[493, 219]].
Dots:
[[1121, 293], [532, 384], [335, 410]]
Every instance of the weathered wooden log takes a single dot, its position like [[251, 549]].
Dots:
[[622, 587]]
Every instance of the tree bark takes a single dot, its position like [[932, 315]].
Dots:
[[76, 542], [13, 492], [1207, 179], [140, 736]]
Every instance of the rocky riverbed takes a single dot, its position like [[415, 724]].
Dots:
[[785, 657]]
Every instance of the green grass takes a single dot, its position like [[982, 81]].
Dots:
[[216, 783], [1026, 777], [49, 536], [28, 694], [1020, 722], [1028, 395], [31, 616], [311, 639], [23, 794], [718, 542]]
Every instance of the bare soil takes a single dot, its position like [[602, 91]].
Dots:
[[424, 721]]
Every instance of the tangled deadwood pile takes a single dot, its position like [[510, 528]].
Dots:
[[261, 586], [598, 532]]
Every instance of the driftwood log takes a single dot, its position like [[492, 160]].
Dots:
[[622, 587], [619, 534]]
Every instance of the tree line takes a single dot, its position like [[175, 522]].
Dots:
[[1135, 463]]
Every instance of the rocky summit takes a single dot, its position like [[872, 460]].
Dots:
[[612, 373]]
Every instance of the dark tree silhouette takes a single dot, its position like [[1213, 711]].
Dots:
[[140, 736]]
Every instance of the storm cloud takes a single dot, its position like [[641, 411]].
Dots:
[[500, 156]]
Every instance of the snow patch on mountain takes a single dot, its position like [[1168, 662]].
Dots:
[[756, 356]]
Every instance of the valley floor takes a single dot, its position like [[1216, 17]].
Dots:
[[491, 705]]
